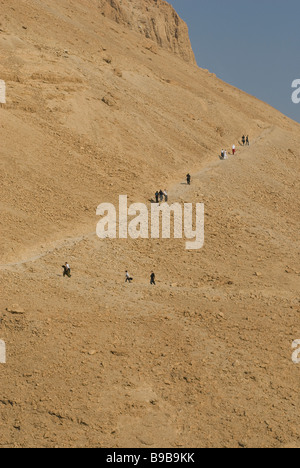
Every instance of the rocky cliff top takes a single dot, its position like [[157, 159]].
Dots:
[[156, 20]]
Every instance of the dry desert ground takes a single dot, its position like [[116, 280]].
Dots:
[[104, 98]]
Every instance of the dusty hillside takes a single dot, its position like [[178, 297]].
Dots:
[[97, 108]]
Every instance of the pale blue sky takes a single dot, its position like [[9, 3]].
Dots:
[[251, 44]]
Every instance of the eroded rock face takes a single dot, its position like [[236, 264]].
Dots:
[[154, 19]]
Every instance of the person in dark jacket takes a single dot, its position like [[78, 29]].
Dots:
[[152, 279]]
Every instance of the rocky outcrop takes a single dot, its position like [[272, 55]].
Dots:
[[154, 19]]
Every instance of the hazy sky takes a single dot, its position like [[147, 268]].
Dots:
[[251, 44]]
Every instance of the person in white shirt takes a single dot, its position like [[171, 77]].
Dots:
[[67, 270], [128, 277], [233, 150]]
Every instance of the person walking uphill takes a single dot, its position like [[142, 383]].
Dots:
[[128, 278], [188, 179], [157, 197], [67, 270], [244, 140], [152, 279]]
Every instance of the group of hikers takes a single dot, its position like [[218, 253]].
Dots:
[[160, 196], [245, 141], [129, 279]]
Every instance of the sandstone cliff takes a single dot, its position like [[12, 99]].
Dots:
[[154, 19]]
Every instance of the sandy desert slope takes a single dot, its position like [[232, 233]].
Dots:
[[96, 109]]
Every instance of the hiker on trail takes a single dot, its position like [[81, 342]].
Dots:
[[225, 155], [156, 197], [161, 196], [244, 140], [166, 195], [128, 277], [222, 154], [247, 141], [233, 150], [188, 179], [67, 270], [152, 279]]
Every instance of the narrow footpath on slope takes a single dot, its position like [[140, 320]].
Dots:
[[176, 192]]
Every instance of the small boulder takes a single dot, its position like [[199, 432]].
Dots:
[[15, 309], [109, 101]]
